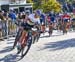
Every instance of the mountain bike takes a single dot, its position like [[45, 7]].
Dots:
[[24, 43]]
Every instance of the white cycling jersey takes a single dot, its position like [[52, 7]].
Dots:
[[33, 19]]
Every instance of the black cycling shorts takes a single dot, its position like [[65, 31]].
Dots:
[[26, 26]]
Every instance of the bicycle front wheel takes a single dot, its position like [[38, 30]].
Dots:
[[27, 46]]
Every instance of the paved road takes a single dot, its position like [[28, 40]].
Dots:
[[57, 48]]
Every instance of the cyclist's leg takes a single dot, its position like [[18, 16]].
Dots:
[[21, 42], [17, 37], [50, 29]]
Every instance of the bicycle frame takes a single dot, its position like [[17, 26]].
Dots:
[[23, 38]]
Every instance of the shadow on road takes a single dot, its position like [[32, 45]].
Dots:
[[10, 42], [53, 46], [10, 58], [6, 49]]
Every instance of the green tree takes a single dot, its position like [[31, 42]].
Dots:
[[46, 5], [29, 1], [51, 5]]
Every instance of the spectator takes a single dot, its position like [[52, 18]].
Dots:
[[0, 29], [5, 14], [12, 15], [1, 19]]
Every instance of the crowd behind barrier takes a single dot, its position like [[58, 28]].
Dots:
[[7, 29]]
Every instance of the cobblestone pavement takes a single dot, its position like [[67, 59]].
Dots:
[[57, 48]]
